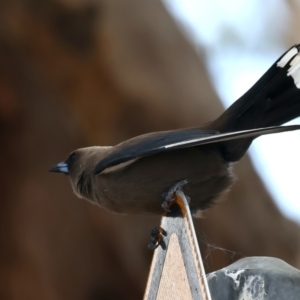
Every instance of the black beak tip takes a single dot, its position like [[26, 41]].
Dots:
[[54, 169], [60, 168]]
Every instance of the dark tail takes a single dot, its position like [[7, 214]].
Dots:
[[272, 101]]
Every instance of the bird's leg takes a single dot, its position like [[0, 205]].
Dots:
[[170, 197], [157, 234]]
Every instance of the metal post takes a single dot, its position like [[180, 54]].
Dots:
[[178, 272]]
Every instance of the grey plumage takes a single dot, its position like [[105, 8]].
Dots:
[[132, 177]]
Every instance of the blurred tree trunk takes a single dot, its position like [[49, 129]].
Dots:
[[79, 73]]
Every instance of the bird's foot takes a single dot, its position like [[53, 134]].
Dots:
[[169, 196], [157, 239]]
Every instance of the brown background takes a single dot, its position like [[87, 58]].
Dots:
[[80, 73]]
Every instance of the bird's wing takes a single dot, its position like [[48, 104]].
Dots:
[[158, 142]]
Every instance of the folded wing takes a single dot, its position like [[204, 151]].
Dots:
[[158, 142]]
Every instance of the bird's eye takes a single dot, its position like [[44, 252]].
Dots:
[[70, 160], [72, 156]]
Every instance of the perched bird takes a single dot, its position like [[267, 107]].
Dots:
[[140, 175]]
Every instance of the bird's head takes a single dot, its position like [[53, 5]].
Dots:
[[79, 168]]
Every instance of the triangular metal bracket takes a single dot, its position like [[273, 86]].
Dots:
[[178, 272]]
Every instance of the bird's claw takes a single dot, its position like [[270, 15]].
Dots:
[[157, 234], [165, 205], [169, 196]]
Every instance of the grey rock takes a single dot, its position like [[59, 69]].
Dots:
[[259, 278]]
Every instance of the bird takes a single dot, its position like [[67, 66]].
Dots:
[[140, 175]]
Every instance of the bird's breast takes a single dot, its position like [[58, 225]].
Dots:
[[138, 187]]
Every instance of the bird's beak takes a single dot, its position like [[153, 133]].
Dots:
[[62, 167]]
